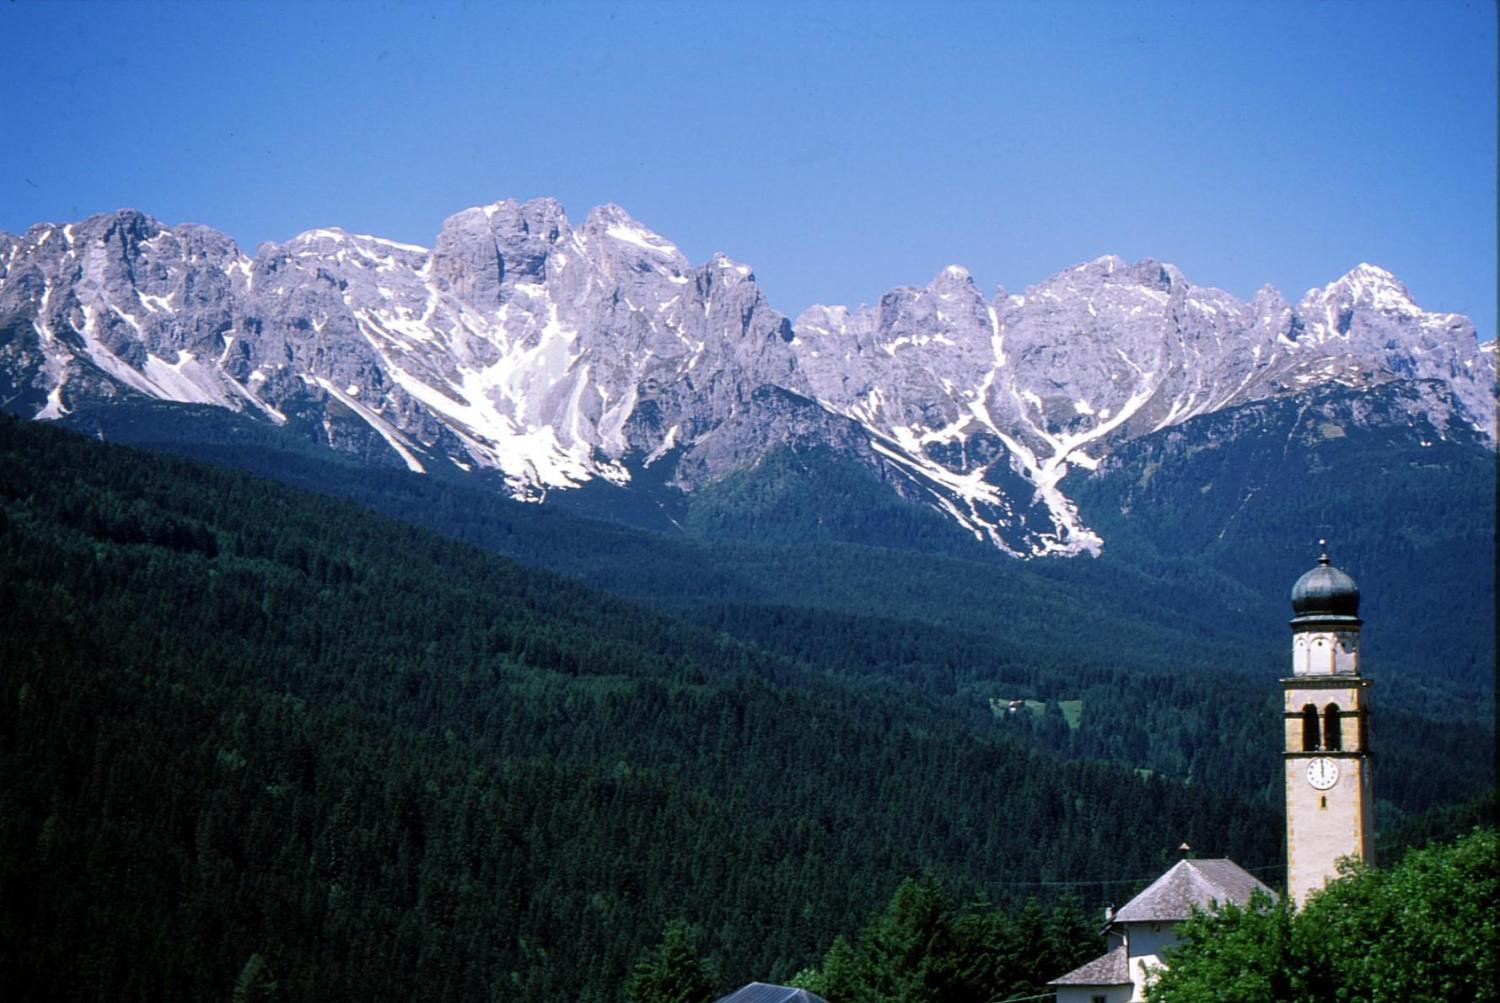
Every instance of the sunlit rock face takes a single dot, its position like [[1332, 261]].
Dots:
[[558, 355]]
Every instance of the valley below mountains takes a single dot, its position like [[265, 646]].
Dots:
[[594, 364], [564, 593]]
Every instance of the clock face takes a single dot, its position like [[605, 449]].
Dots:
[[1322, 773]]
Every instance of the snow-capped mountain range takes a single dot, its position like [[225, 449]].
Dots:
[[558, 355]]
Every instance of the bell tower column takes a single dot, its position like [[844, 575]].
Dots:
[[1330, 808]]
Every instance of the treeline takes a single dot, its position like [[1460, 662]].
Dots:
[[253, 737], [925, 944]]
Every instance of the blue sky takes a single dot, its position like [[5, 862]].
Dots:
[[838, 149]]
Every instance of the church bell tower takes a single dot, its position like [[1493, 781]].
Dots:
[[1330, 808]]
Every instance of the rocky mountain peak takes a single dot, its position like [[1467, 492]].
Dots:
[[543, 218], [129, 226], [1153, 274], [952, 275], [614, 223], [322, 241], [1268, 294], [557, 355], [723, 262], [1369, 287]]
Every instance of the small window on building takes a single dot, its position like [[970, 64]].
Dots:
[[1100, 998], [1333, 731], [1309, 728]]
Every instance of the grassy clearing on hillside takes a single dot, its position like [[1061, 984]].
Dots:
[[1072, 710]]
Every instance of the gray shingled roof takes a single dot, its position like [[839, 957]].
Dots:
[[762, 992], [1191, 882], [1112, 969]]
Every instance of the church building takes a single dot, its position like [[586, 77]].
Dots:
[[1329, 803], [1141, 932]]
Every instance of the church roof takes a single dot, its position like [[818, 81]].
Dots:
[[762, 992], [1112, 969], [1189, 883]]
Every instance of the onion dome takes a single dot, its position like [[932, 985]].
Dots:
[[1325, 594]]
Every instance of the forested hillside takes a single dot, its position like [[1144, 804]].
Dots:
[[1167, 648], [1408, 511], [251, 733]]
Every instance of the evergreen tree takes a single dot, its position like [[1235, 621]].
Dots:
[[256, 983], [672, 972], [922, 948]]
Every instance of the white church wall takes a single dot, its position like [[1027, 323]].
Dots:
[[1147, 947], [1093, 994]]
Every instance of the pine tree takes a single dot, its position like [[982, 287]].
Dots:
[[673, 973], [255, 983]]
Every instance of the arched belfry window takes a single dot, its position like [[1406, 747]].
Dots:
[[1309, 728], [1333, 732]]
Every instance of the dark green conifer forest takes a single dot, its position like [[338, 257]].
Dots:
[[262, 743]]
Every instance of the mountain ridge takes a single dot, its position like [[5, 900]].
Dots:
[[557, 356]]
